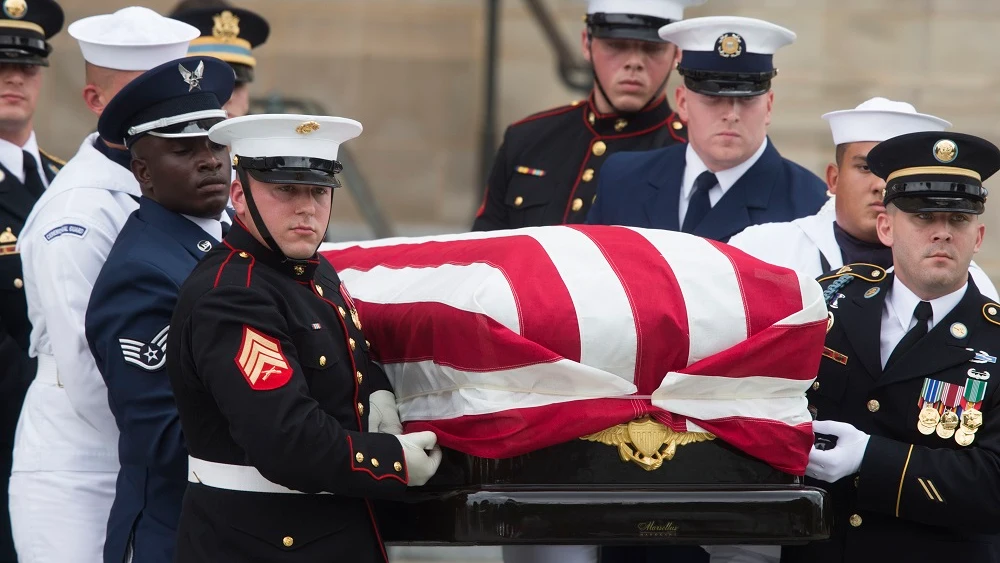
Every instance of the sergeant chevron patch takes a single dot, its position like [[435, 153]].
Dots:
[[149, 356], [261, 362]]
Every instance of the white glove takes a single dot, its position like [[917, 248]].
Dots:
[[422, 455], [383, 416], [843, 459]]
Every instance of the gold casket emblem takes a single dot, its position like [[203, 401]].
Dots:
[[646, 442]]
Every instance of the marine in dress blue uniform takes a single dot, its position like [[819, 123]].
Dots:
[[172, 107], [25, 27], [546, 169], [286, 416], [730, 61], [906, 402]]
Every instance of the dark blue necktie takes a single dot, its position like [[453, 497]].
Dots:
[[225, 228], [32, 180], [699, 205]]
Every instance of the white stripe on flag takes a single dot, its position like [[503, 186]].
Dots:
[[427, 391], [607, 341], [813, 306], [711, 397], [477, 288], [716, 315]]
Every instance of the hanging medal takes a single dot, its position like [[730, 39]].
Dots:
[[951, 394], [929, 416], [972, 417]]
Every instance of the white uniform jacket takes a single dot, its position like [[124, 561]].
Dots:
[[797, 245], [66, 423]]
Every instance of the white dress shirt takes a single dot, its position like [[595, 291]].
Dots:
[[693, 168], [897, 314], [211, 226], [12, 158]]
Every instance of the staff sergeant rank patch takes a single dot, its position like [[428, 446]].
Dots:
[[261, 362], [148, 356]]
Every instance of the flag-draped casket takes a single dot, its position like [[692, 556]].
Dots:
[[507, 342]]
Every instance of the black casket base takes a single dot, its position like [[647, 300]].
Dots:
[[582, 493]]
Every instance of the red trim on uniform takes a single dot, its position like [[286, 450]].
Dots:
[[218, 275], [590, 147], [354, 467], [482, 206], [599, 115], [547, 113], [378, 536], [354, 366]]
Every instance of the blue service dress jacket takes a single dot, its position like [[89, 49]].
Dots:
[[127, 323], [642, 189]]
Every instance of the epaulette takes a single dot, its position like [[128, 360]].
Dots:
[[55, 159], [867, 272], [550, 112], [236, 269], [677, 128], [992, 312]]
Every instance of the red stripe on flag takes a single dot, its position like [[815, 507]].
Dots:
[[788, 352], [542, 301], [783, 446], [656, 300], [448, 336], [770, 293]]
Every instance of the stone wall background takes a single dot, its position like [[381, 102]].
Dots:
[[411, 71]]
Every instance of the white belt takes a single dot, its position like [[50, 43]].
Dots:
[[233, 477], [47, 371]]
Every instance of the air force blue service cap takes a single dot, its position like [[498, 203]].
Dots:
[[727, 55], [229, 34], [285, 148], [933, 171], [634, 19], [180, 98], [25, 27]]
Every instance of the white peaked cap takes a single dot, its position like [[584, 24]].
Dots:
[[701, 34], [665, 9], [133, 38], [312, 136], [879, 119]]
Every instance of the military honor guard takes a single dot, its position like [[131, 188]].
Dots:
[[820, 243], [25, 172], [163, 117], [230, 34], [546, 170], [285, 414], [65, 450], [729, 176], [907, 413]]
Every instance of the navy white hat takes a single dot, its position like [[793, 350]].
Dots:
[[287, 148], [634, 19], [727, 55], [879, 119], [25, 27], [934, 171], [133, 38], [229, 34], [180, 98]]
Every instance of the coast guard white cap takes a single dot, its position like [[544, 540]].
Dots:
[[727, 55], [879, 119], [133, 38]]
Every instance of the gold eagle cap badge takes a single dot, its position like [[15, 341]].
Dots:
[[15, 9], [307, 127], [945, 151], [646, 442], [225, 26]]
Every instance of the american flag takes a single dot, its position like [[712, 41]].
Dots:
[[510, 341]]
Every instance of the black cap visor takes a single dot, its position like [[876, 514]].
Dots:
[[735, 85], [626, 26], [926, 196], [937, 204], [293, 170]]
